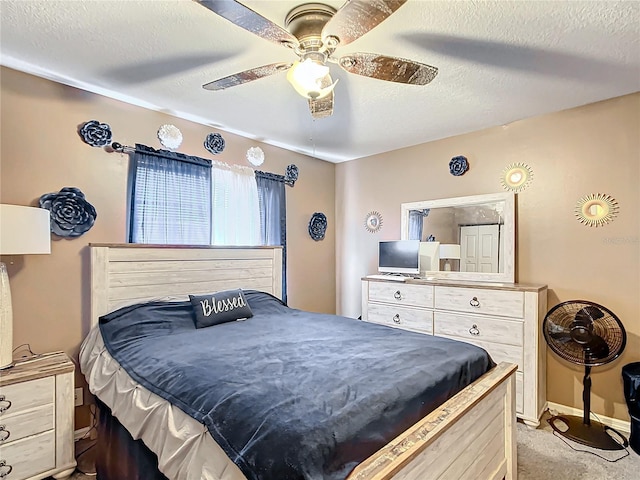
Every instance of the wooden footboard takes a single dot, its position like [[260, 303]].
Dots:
[[471, 436]]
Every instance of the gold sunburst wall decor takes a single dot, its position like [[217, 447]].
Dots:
[[516, 177], [596, 209], [373, 222]]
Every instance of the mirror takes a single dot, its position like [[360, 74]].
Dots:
[[465, 238]]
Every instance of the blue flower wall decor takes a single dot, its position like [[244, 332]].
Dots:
[[214, 143], [95, 133], [458, 165], [291, 174], [71, 214], [318, 226]]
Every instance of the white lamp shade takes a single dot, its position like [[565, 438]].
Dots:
[[24, 230], [449, 250]]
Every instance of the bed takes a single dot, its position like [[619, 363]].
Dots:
[[470, 435]]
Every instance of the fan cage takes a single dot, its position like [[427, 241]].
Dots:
[[559, 321]]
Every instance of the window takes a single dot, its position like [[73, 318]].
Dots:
[[170, 199], [177, 199], [235, 215]]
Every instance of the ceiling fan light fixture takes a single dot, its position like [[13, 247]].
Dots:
[[306, 77]]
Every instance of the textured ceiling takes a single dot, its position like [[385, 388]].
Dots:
[[498, 61]]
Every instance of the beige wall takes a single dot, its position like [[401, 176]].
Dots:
[[42, 152], [592, 149]]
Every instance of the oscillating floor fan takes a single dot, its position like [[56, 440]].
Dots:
[[588, 334]]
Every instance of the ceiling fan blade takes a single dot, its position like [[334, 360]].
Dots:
[[392, 69], [246, 18], [357, 17], [322, 107], [246, 76]]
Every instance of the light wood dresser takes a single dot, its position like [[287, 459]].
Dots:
[[36, 419], [503, 318]]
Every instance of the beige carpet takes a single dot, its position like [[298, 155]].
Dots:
[[541, 456]]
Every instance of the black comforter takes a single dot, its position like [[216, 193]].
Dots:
[[290, 394]]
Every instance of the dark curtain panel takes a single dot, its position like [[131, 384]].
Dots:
[[170, 198], [273, 217]]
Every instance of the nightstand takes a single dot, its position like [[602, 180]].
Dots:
[[36, 418]]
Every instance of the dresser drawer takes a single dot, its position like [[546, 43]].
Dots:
[[499, 352], [29, 456], [401, 293], [402, 317], [26, 423], [504, 303], [23, 396], [479, 327]]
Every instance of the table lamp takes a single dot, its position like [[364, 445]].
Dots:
[[449, 251], [23, 230]]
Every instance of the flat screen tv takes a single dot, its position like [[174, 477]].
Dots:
[[399, 256]]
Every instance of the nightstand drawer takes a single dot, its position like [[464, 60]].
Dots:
[[29, 456], [401, 317], [23, 396], [26, 423], [504, 303], [401, 294], [478, 327]]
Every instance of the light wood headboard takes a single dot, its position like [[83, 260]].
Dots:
[[123, 274]]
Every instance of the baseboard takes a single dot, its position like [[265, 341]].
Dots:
[[615, 423], [80, 433]]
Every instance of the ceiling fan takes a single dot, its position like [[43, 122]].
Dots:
[[314, 31]]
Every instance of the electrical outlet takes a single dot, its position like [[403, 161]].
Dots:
[[77, 397]]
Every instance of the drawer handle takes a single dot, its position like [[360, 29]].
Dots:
[[397, 295], [7, 406], [396, 318], [474, 330], [474, 302], [5, 469], [4, 433]]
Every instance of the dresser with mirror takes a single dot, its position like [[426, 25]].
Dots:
[[466, 289]]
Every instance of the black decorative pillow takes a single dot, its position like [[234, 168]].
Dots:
[[219, 307]]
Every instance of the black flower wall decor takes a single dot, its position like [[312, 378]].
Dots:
[[458, 165], [291, 175], [95, 133], [71, 214], [214, 143], [318, 226]]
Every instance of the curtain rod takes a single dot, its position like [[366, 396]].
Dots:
[[289, 180]]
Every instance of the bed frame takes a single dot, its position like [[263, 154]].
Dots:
[[471, 436]]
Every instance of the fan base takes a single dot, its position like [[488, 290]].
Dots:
[[595, 435]]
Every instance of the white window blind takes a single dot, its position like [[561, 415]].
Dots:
[[171, 202]]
